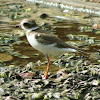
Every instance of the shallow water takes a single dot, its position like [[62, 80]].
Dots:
[[34, 55]]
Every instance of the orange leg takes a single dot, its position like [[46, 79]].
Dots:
[[47, 70]]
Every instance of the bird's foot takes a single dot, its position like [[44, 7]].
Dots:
[[44, 77]]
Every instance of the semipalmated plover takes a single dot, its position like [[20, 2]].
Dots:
[[48, 44]]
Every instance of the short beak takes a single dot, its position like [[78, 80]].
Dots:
[[17, 26]]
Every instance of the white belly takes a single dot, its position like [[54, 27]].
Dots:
[[47, 49]]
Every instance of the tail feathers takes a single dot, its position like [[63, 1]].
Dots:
[[75, 49], [70, 50]]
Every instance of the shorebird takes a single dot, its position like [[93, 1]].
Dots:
[[48, 44]]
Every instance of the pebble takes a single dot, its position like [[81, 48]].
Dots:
[[10, 98], [38, 96], [57, 95], [2, 91], [95, 82]]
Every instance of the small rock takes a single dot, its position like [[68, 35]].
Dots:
[[57, 95], [13, 8], [88, 97], [95, 82], [11, 98], [30, 65], [27, 75], [2, 80], [28, 10], [2, 91], [65, 91], [46, 97], [66, 10], [85, 72], [43, 16], [50, 94], [46, 82], [61, 74], [38, 96]]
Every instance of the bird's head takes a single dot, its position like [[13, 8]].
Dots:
[[28, 25]]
